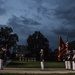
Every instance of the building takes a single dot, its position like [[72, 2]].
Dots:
[[23, 54]]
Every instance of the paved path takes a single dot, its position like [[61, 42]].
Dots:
[[36, 70]]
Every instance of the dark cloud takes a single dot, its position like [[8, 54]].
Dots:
[[21, 27], [28, 21], [46, 8], [14, 21], [38, 7], [68, 15], [2, 2], [65, 12], [39, 1], [42, 10], [23, 20], [63, 30], [2, 10], [1, 25], [38, 17], [42, 15], [16, 24]]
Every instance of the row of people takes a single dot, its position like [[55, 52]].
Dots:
[[68, 58], [70, 61]]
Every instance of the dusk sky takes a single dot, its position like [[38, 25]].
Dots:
[[51, 17]]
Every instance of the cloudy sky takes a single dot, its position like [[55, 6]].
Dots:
[[51, 17]]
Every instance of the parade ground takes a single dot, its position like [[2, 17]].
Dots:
[[35, 71], [20, 70]]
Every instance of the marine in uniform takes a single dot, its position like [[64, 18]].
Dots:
[[1, 59], [67, 61], [73, 60], [42, 59]]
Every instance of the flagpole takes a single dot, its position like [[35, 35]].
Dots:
[[67, 49], [67, 37], [59, 48], [67, 42], [59, 40]]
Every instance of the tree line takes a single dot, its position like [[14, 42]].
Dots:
[[7, 38], [35, 42]]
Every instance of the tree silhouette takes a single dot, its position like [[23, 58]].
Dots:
[[7, 39], [36, 42]]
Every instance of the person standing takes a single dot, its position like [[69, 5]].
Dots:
[[1, 58], [42, 59], [67, 61], [73, 60]]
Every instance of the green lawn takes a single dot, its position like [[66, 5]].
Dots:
[[21, 64]]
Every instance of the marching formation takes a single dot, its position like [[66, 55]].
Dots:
[[68, 57], [70, 60]]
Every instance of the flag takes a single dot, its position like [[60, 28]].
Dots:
[[61, 48], [59, 54], [66, 45]]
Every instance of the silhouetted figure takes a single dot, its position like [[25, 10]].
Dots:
[[42, 59], [2, 55]]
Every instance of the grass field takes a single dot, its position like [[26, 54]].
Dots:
[[22, 64]]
